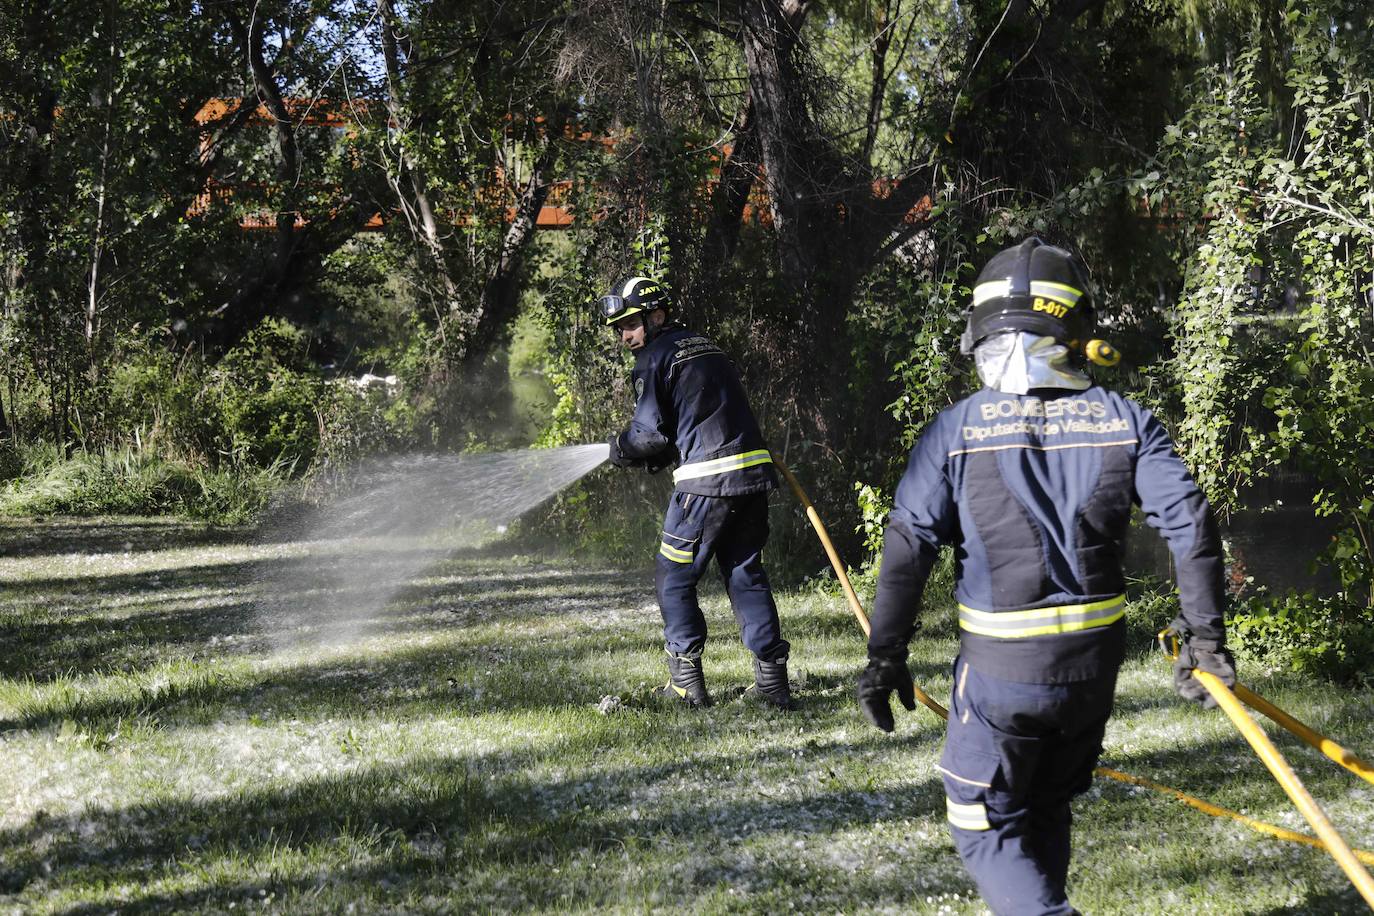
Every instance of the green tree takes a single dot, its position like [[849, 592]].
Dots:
[[476, 127], [97, 124], [1273, 360]]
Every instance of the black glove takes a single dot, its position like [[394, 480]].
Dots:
[[879, 679], [664, 459], [1204, 655], [617, 458]]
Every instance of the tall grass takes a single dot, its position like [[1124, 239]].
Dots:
[[134, 480]]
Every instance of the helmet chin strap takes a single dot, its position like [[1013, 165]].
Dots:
[[652, 330]]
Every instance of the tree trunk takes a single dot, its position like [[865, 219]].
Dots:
[[877, 79], [418, 210], [5, 434], [284, 134], [298, 252], [98, 239], [775, 89], [31, 282], [253, 299], [501, 292], [729, 200]]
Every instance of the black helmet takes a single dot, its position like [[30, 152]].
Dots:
[[1030, 287], [632, 296]]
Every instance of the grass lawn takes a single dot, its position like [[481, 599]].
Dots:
[[186, 725]]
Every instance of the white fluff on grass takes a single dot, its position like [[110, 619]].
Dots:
[[737, 808]]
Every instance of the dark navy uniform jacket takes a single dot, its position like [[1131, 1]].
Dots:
[[1035, 492], [689, 398]]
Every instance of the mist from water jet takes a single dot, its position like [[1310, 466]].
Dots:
[[388, 522]]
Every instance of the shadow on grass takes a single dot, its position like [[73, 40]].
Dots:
[[125, 621], [1225, 772], [52, 537], [476, 669], [1329, 903], [175, 613], [181, 612], [96, 644], [477, 664], [469, 823], [60, 535], [486, 816], [238, 609], [451, 817]]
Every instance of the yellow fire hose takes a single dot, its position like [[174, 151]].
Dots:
[[1282, 772], [840, 571], [1319, 741], [824, 535], [1281, 833]]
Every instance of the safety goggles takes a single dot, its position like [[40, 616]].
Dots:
[[614, 308]]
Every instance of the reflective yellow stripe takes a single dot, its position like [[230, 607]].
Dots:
[[1056, 291], [723, 465], [997, 289], [969, 817], [673, 553], [1000, 289], [955, 776], [1042, 621]]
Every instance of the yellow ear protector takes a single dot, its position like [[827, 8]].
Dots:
[[1101, 353]]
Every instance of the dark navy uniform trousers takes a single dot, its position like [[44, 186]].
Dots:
[[1015, 754], [732, 530]]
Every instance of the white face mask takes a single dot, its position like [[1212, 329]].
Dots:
[[1014, 362]]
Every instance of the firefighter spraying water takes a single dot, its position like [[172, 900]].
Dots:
[[691, 411]]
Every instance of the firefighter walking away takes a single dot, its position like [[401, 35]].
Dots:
[[1032, 480]]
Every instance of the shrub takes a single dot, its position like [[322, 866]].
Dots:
[[357, 423], [159, 396], [11, 461], [874, 506], [1151, 605], [608, 516], [238, 495], [268, 397], [1326, 637]]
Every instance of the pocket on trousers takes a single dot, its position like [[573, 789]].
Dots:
[[677, 550], [970, 777], [681, 529]]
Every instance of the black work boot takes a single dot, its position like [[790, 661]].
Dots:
[[686, 681], [770, 683]]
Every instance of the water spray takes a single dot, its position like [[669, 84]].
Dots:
[[393, 518]]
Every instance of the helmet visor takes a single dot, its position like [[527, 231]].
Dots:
[[614, 308], [611, 306]]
